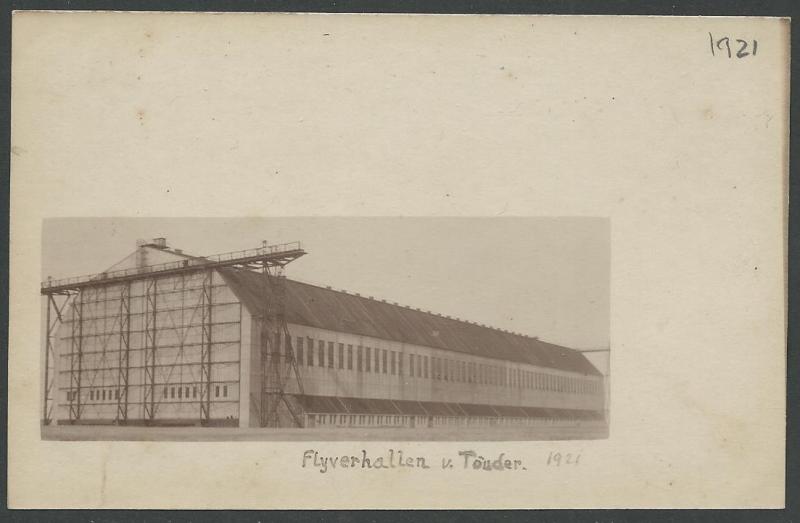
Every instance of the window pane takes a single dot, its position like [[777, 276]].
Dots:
[[299, 355], [341, 355], [349, 357], [330, 354], [368, 359], [321, 353], [310, 353]]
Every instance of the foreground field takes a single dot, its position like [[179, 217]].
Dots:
[[113, 433]]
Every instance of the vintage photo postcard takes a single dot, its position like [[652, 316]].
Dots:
[[273, 260]]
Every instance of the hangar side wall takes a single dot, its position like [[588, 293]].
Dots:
[[338, 365]]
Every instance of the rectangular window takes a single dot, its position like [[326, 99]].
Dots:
[[310, 353], [330, 354], [300, 358], [116, 394], [180, 392], [349, 357], [394, 362], [321, 353], [341, 355], [419, 365], [172, 392], [368, 359], [91, 394], [411, 365], [360, 358], [225, 391], [400, 358], [187, 393], [425, 366], [166, 391], [216, 392], [194, 392], [385, 357]]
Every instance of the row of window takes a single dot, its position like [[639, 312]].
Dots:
[[382, 361], [104, 394], [181, 395], [425, 421]]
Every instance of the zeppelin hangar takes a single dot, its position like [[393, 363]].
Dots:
[[164, 338]]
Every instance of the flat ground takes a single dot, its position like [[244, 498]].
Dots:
[[114, 433]]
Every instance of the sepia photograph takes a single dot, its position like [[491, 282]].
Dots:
[[501, 331]]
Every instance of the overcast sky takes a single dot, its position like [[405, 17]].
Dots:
[[546, 277]]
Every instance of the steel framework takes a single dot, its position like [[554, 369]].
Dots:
[[276, 367], [124, 353]]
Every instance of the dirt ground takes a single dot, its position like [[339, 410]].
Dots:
[[114, 433]]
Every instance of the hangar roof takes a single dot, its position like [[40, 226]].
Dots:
[[329, 309]]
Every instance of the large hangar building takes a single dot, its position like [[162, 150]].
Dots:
[[165, 338]]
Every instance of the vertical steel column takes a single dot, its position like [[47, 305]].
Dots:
[[76, 359], [205, 350], [124, 353], [50, 355], [276, 368], [271, 382], [47, 351], [150, 340]]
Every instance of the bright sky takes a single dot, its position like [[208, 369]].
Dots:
[[546, 277]]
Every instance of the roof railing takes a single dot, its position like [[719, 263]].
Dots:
[[196, 261]]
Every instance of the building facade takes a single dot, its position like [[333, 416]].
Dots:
[[186, 349]]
